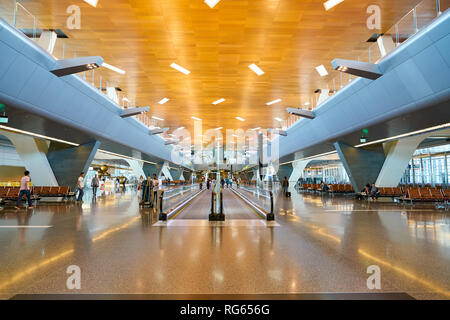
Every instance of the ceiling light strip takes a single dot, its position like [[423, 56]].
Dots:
[[180, 68], [256, 69], [110, 67]]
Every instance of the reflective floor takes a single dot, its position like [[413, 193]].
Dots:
[[319, 244]]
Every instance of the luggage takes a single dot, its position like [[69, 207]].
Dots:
[[288, 194]]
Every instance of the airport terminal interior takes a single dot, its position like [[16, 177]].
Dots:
[[198, 148]]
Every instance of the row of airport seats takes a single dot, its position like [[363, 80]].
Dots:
[[426, 194], [175, 182], [12, 193], [332, 188], [406, 193]]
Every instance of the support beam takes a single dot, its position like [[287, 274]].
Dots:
[[301, 113], [129, 112], [68, 162], [32, 152], [158, 131], [398, 155], [284, 171], [357, 68], [75, 65], [187, 175], [298, 168], [165, 171], [150, 169], [136, 167], [362, 165]]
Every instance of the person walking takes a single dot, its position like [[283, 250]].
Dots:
[[80, 185], [285, 186], [25, 190], [155, 184], [94, 184]]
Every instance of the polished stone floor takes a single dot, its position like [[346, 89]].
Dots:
[[319, 244]]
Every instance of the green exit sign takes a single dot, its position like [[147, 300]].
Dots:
[[3, 119]]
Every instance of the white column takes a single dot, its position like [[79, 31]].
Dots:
[[299, 166], [47, 40], [166, 171], [398, 154], [33, 153], [136, 166]]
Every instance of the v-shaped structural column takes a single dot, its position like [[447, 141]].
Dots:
[[68, 162], [363, 165]]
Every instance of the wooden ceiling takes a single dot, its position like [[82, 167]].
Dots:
[[286, 38]]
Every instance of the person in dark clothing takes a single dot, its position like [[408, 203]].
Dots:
[[374, 192], [285, 186], [364, 194]]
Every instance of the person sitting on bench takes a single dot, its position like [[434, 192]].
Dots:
[[324, 187], [364, 194], [374, 192]]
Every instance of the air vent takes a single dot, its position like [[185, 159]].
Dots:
[[31, 33]]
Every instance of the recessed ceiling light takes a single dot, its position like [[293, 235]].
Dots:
[[322, 71], [125, 99], [157, 118], [256, 128], [219, 128], [273, 102], [278, 119], [331, 3], [110, 67], [240, 119], [234, 135], [179, 68], [219, 101], [195, 118], [179, 128], [163, 101], [92, 2], [256, 69], [211, 3], [306, 103]]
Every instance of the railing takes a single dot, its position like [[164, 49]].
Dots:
[[414, 21], [13, 12], [260, 198], [174, 196]]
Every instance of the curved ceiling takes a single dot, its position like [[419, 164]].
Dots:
[[287, 39]]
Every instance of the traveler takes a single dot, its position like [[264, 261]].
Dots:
[[374, 192], [94, 184], [285, 185], [80, 187], [155, 184], [25, 190]]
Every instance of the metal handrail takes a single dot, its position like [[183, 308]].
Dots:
[[221, 216], [212, 215], [271, 216], [162, 215]]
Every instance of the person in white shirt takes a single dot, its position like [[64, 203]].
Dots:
[[25, 190], [80, 187], [155, 184]]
